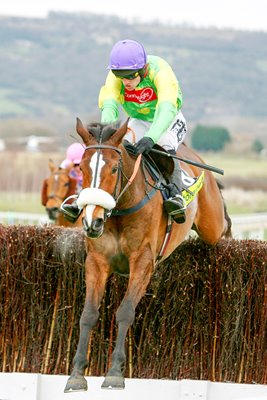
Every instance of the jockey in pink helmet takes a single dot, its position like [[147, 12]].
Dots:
[[73, 156]]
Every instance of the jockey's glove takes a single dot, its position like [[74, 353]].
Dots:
[[144, 145]]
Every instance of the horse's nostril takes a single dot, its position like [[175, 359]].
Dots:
[[94, 230], [52, 212], [97, 224]]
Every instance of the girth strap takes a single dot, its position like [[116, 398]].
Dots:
[[137, 207]]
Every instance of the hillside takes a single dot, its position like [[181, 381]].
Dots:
[[51, 70]]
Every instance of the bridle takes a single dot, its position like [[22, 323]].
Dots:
[[53, 195], [116, 194]]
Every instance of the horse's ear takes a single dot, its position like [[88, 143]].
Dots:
[[52, 165], [120, 133], [83, 132]]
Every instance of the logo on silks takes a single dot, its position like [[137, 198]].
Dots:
[[140, 96]]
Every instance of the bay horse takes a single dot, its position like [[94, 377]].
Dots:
[[125, 228], [56, 188]]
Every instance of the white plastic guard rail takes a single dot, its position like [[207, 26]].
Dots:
[[15, 218], [24, 386], [252, 226], [249, 226]]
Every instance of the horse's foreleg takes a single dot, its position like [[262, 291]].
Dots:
[[96, 277], [139, 279], [124, 317]]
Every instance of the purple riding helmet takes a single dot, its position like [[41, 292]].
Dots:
[[128, 59]]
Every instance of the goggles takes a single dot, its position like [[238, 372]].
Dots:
[[124, 74]]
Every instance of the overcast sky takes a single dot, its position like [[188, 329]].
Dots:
[[237, 14]]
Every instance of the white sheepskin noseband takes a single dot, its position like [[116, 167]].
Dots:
[[97, 197]]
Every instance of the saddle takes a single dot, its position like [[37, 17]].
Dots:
[[160, 169]]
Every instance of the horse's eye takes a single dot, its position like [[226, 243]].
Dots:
[[114, 170]]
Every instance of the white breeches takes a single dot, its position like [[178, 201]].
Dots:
[[170, 140]]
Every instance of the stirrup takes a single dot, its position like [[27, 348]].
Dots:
[[71, 212], [179, 218], [176, 207]]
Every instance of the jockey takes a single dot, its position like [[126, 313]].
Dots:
[[148, 91], [73, 156]]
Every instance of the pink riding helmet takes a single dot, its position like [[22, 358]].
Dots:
[[73, 155]]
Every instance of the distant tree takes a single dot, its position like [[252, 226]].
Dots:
[[257, 146], [210, 138]]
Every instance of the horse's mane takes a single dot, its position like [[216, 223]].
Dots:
[[102, 132]]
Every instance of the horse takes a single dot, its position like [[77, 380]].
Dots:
[[56, 188], [125, 228]]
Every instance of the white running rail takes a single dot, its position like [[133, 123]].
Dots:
[[20, 218], [247, 226]]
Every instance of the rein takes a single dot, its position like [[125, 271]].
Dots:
[[53, 195], [130, 180]]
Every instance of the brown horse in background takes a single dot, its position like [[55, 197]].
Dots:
[[126, 229], [55, 189]]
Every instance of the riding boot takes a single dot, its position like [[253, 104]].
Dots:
[[71, 211], [175, 205]]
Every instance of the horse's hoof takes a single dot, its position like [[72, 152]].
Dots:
[[113, 382], [76, 384]]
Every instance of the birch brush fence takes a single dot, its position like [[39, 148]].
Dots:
[[204, 315]]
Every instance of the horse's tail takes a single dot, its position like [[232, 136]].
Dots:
[[228, 232]]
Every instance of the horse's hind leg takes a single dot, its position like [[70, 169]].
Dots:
[[212, 221], [141, 271], [228, 231], [96, 277]]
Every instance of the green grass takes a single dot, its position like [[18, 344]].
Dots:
[[31, 202], [21, 202], [245, 202], [238, 166]]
